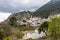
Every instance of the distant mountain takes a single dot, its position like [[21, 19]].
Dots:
[[49, 8]]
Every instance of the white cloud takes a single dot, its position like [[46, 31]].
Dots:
[[17, 5], [4, 16]]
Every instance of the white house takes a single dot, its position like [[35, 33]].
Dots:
[[33, 34]]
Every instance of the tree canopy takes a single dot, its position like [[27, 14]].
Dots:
[[43, 26], [13, 20]]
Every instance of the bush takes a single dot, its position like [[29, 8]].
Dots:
[[13, 20], [2, 33], [43, 26], [8, 38], [54, 29]]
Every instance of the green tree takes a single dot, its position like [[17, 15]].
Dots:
[[1, 34], [43, 26], [54, 29], [8, 38], [13, 20]]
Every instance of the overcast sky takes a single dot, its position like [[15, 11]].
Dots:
[[19, 5]]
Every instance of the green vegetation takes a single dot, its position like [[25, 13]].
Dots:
[[54, 29], [43, 26], [2, 33], [19, 35], [13, 20], [31, 39], [8, 38]]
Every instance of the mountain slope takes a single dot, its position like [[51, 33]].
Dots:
[[47, 9]]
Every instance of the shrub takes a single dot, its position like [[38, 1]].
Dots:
[[2, 33], [43, 26], [13, 20], [8, 38]]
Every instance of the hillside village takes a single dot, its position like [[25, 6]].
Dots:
[[32, 21], [35, 21]]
